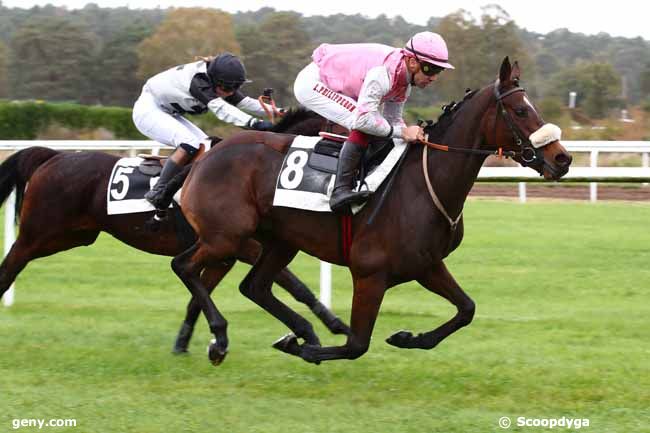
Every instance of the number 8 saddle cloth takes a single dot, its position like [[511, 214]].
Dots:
[[308, 171]]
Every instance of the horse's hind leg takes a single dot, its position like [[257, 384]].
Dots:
[[27, 248], [439, 281], [257, 287], [188, 266], [301, 293], [286, 279], [249, 253], [210, 277], [12, 265]]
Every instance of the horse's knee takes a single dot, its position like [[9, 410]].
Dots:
[[466, 313]]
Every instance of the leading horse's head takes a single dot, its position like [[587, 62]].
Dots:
[[514, 124]]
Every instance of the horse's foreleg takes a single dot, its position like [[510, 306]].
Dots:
[[301, 293], [439, 281], [188, 266], [257, 287], [210, 277], [250, 251], [367, 298]]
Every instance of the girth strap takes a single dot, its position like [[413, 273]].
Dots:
[[346, 237]]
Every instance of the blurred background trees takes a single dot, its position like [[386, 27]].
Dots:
[[274, 51], [103, 55], [182, 36], [53, 58], [4, 71]]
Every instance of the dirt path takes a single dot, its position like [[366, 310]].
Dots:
[[605, 192]]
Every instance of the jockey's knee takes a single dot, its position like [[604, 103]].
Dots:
[[359, 138], [304, 83]]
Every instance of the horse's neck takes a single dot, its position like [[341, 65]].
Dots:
[[302, 125], [453, 174], [452, 177]]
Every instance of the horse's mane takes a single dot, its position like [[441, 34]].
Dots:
[[449, 114], [293, 117]]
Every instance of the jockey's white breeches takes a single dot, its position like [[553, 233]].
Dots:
[[311, 92], [165, 128]]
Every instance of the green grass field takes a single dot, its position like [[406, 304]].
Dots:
[[561, 330]]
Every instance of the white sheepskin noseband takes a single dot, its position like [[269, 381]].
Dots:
[[545, 135]]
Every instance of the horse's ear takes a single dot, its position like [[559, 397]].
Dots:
[[516, 71], [506, 69]]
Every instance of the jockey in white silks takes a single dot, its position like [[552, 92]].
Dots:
[[363, 87], [193, 88]]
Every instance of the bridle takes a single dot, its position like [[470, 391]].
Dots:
[[528, 154]]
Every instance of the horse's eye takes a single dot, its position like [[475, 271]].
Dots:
[[521, 112]]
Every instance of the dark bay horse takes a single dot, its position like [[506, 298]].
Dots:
[[418, 225], [64, 207]]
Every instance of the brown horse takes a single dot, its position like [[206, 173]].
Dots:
[[228, 199], [65, 207]]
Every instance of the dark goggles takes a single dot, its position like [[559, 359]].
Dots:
[[430, 70]]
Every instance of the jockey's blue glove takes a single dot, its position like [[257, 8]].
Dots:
[[261, 125]]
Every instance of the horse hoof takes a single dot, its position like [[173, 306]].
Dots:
[[216, 354], [288, 344], [401, 339]]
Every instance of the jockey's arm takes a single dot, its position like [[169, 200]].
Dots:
[[252, 105], [369, 118], [229, 113], [226, 109], [394, 114]]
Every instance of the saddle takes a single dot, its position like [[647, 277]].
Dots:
[[151, 164], [325, 156]]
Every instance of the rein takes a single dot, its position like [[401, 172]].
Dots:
[[453, 223], [499, 152]]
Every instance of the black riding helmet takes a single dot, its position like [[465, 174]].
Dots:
[[227, 72]]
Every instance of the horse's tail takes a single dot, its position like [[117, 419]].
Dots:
[[16, 171]]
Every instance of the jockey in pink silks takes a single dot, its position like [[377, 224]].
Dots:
[[363, 87]]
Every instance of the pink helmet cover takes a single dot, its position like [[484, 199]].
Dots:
[[429, 47]]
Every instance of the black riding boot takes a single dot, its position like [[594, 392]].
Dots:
[[343, 196], [157, 196]]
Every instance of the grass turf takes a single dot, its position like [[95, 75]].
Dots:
[[561, 330]]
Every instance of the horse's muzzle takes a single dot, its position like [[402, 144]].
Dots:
[[558, 166]]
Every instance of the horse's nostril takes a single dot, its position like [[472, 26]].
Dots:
[[563, 159]]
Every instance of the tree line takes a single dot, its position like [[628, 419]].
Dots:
[[103, 56]]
